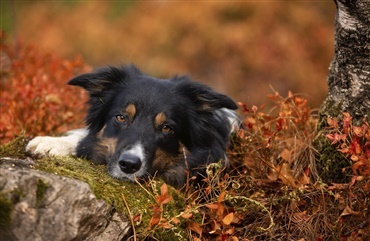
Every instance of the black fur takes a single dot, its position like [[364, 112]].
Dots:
[[199, 132]]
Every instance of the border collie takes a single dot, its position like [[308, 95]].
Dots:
[[141, 126]]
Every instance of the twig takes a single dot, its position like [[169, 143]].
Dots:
[[150, 195], [258, 204], [130, 215]]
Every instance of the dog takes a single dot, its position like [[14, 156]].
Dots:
[[141, 126]]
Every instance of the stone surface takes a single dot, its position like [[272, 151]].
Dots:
[[51, 207]]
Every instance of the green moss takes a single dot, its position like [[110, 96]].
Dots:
[[15, 148], [41, 187], [331, 164], [16, 195], [329, 108], [6, 207], [103, 186]]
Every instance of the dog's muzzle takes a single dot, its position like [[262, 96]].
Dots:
[[131, 160], [129, 163]]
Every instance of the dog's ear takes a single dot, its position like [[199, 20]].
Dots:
[[105, 78], [203, 96], [100, 85]]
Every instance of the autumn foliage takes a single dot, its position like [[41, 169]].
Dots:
[[277, 145], [272, 190], [34, 95], [353, 141]]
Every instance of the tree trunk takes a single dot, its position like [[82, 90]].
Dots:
[[349, 76], [349, 84]]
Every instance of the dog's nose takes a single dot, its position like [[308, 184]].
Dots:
[[129, 163]]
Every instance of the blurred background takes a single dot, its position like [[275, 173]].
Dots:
[[243, 49]]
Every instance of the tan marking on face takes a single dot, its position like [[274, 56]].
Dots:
[[206, 107], [163, 160], [110, 143], [172, 168], [160, 119], [100, 133], [105, 147], [131, 110]]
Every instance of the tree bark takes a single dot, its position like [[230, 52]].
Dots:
[[349, 76], [349, 84]]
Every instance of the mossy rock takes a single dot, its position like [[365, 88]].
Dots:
[[139, 199]]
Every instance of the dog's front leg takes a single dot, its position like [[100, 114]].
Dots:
[[42, 146]]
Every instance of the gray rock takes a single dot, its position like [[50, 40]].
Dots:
[[44, 206]]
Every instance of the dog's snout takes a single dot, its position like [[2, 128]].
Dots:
[[129, 163]]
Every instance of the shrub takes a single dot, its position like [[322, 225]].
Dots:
[[352, 141], [34, 95], [276, 145]]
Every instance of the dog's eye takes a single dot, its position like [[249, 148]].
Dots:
[[166, 129], [121, 118]]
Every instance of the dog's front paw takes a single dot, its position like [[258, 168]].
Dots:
[[42, 146]]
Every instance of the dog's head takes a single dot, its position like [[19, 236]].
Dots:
[[142, 126]]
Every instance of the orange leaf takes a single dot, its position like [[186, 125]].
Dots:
[[228, 219], [221, 198], [333, 122], [175, 220], [187, 215], [165, 225], [137, 218], [164, 189], [154, 221], [193, 226], [164, 197], [215, 227], [357, 131], [230, 231], [213, 206]]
